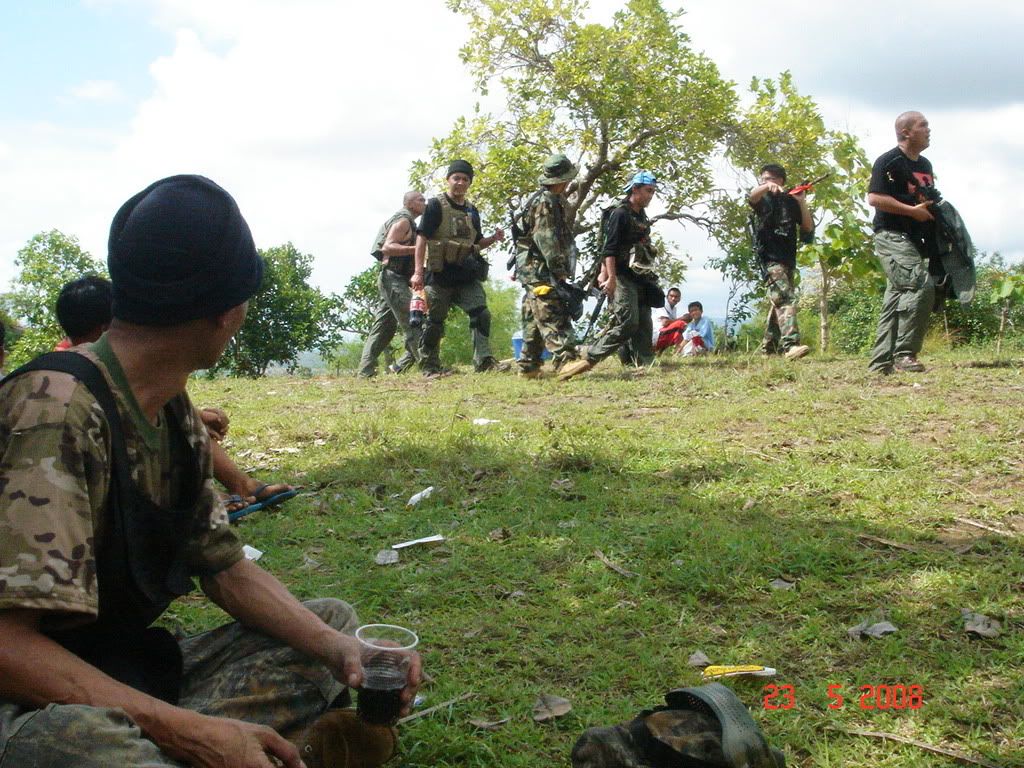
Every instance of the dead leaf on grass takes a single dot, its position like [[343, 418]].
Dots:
[[749, 505], [310, 564], [499, 534], [489, 725], [980, 625], [472, 633], [504, 594], [479, 475], [698, 659], [386, 557], [614, 566], [864, 537], [867, 629], [781, 584], [549, 707], [565, 484]]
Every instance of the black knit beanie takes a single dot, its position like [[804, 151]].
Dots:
[[460, 166], [180, 250]]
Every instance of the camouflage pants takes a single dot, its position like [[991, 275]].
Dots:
[[909, 292], [782, 331], [391, 312], [546, 323], [472, 300], [229, 672], [631, 329]]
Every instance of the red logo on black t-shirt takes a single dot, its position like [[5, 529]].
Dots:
[[923, 180]]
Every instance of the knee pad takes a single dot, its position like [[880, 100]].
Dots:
[[480, 319]]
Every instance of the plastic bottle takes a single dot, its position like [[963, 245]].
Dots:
[[417, 308]]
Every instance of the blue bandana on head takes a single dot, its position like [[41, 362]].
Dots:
[[641, 177]]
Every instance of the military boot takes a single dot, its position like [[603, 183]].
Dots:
[[575, 368], [797, 351], [339, 739]]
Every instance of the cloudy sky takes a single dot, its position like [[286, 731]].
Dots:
[[310, 111]]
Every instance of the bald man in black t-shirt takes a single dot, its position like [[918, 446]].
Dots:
[[904, 236]]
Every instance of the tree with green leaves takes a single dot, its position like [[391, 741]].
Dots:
[[614, 97], [785, 127], [48, 262], [285, 317]]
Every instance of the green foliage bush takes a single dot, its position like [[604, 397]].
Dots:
[[286, 316], [48, 262]]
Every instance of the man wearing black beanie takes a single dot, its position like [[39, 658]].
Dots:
[[448, 262], [109, 512]]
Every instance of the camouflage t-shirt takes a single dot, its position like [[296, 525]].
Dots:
[[54, 479]]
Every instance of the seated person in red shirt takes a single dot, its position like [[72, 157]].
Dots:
[[84, 313], [670, 335]]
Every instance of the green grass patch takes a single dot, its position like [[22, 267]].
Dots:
[[707, 481]]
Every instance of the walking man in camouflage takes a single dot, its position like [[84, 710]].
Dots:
[[449, 263], [779, 218], [109, 512], [394, 246], [904, 240], [627, 279], [544, 262]]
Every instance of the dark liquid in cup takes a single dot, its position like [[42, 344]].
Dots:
[[379, 706]]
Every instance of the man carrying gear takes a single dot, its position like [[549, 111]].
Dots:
[[544, 259], [448, 262], [394, 246], [778, 218], [108, 514], [627, 279], [902, 192]]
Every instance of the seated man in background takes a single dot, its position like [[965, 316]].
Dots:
[[84, 313], [699, 336]]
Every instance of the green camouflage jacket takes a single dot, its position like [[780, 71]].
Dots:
[[546, 249]]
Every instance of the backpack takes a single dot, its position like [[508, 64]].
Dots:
[[377, 249], [704, 727]]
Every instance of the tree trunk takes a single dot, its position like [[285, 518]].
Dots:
[[1003, 314], [823, 307]]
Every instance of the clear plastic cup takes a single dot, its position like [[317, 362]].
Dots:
[[385, 652]]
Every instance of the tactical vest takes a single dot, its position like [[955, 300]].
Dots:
[[454, 239], [400, 264], [141, 565]]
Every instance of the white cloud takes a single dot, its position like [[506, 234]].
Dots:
[[97, 90]]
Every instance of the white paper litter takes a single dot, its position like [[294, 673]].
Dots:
[[485, 422], [251, 553], [416, 498], [424, 540]]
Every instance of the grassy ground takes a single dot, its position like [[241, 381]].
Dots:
[[707, 481]]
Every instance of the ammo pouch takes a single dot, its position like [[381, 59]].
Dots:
[[442, 253], [705, 727], [573, 297], [478, 266]]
